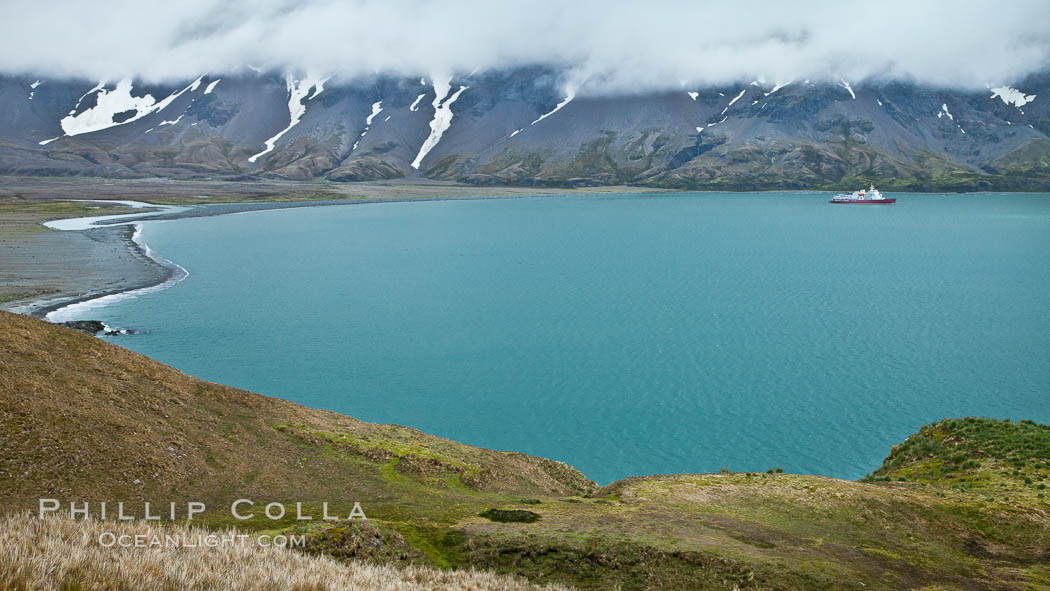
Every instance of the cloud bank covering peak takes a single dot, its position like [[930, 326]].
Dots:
[[615, 45]]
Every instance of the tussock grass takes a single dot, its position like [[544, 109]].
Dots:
[[986, 456], [60, 554]]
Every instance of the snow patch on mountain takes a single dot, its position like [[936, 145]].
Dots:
[[85, 95], [847, 87], [693, 95], [297, 91], [944, 112], [709, 125], [442, 117], [377, 107], [110, 103], [211, 87], [735, 99], [415, 104], [778, 86], [172, 122], [318, 87], [171, 97], [570, 93], [1012, 96]]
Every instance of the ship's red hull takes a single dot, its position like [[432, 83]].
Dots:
[[864, 201]]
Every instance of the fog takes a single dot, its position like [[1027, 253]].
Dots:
[[611, 46]]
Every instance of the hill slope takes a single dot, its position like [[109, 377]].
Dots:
[[83, 419]]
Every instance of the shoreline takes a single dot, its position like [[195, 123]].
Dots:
[[175, 273], [124, 229]]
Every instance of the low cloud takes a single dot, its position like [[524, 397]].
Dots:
[[616, 46]]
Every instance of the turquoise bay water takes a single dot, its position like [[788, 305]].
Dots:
[[624, 334]]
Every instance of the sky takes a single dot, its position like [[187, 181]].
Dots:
[[612, 46]]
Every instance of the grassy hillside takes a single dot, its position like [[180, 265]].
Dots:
[[995, 458], [959, 505]]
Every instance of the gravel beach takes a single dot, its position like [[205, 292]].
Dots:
[[45, 270]]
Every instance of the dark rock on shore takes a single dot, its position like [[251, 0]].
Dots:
[[93, 327]]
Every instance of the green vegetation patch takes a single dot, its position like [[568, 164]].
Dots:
[[972, 453], [402, 452]]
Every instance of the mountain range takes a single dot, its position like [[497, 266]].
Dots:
[[531, 126]]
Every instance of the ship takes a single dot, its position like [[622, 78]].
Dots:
[[871, 197]]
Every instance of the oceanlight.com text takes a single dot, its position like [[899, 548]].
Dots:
[[184, 540]]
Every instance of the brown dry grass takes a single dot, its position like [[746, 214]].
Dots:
[[57, 553]]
